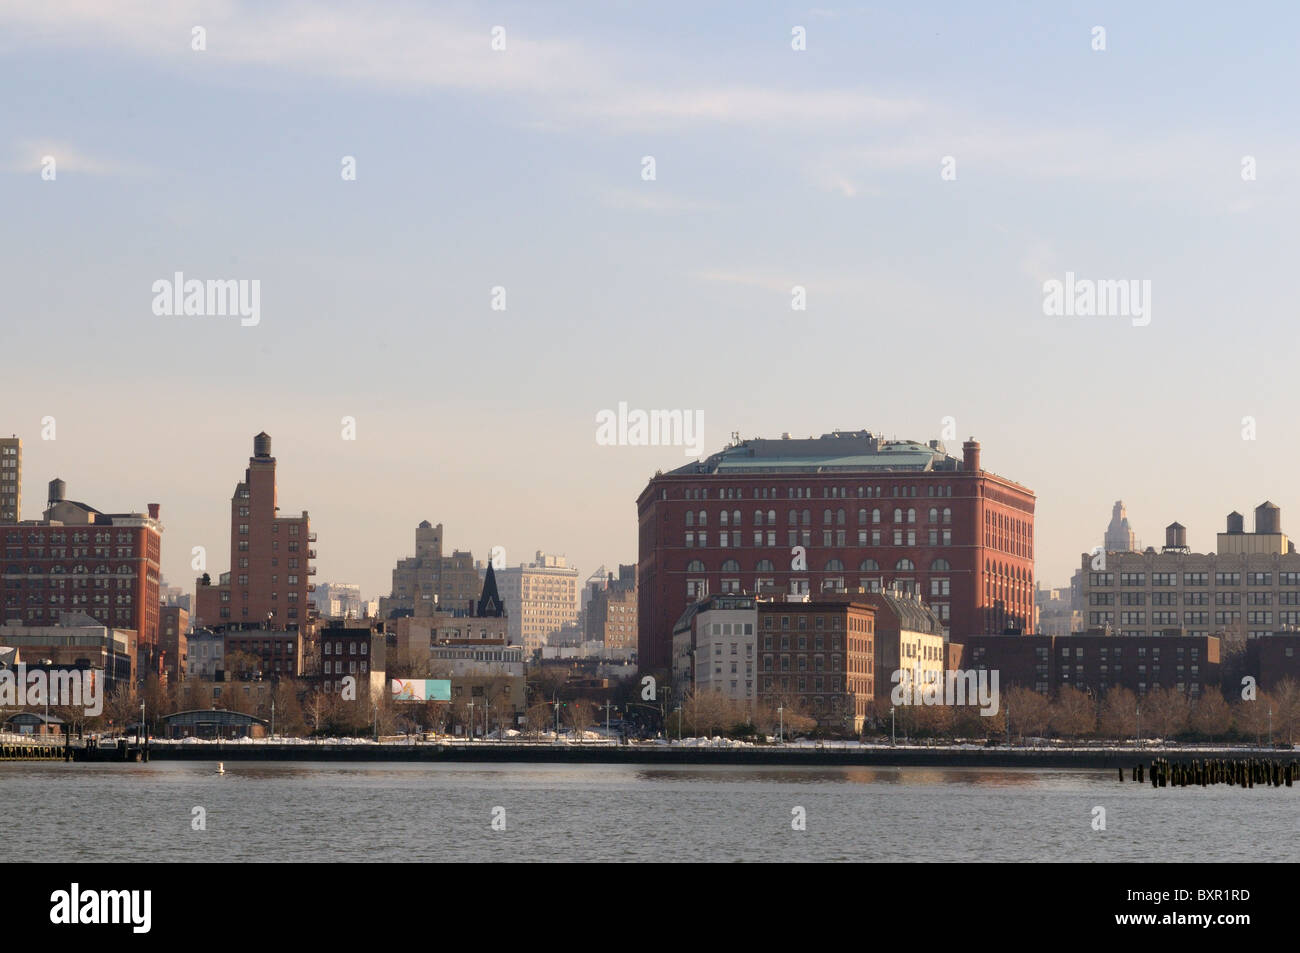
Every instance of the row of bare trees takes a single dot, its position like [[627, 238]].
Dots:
[[1118, 715]]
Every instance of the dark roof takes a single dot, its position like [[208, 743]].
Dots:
[[489, 603]]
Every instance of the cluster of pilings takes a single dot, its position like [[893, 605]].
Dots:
[[1245, 773], [30, 752]]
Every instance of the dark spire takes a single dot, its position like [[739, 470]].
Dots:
[[489, 603]]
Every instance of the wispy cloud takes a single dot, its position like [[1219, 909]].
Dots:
[[410, 48], [28, 155]]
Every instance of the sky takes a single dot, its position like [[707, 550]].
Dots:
[[523, 169]]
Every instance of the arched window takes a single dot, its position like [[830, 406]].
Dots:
[[695, 566], [904, 564], [690, 517], [806, 518], [731, 566], [911, 516], [771, 517], [835, 566], [703, 518], [947, 515], [826, 517], [735, 517], [875, 516], [934, 514], [724, 518], [940, 565], [758, 517], [840, 517], [898, 515], [764, 565], [869, 565], [862, 517], [794, 517]]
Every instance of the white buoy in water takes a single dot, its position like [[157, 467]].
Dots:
[[221, 767]]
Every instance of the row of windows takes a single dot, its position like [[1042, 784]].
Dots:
[[806, 493], [797, 517], [1161, 579], [834, 565], [1192, 598], [57, 538]]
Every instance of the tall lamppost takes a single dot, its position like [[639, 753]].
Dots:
[[780, 731], [893, 735]]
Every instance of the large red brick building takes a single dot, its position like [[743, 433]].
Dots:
[[77, 559], [839, 512], [270, 557]]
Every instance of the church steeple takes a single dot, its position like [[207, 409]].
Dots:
[[489, 603]]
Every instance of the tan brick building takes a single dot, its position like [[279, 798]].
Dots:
[[1249, 587], [11, 479], [611, 614], [818, 658], [540, 598], [429, 582]]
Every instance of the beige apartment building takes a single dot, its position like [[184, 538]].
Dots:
[[430, 582], [11, 479], [1250, 586], [540, 598], [611, 614]]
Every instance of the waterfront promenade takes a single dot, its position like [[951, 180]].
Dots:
[[696, 752]]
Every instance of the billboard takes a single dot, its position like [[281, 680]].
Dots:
[[421, 690]]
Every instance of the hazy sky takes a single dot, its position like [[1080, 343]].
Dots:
[[522, 168]]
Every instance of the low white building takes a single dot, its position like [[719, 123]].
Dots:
[[714, 646]]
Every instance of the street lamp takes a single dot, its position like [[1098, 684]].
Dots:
[[780, 722], [893, 735]]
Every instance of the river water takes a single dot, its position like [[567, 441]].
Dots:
[[280, 811]]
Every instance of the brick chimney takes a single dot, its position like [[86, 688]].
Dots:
[[153, 511], [970, 455]]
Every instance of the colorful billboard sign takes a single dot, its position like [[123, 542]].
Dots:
[[421, 690]]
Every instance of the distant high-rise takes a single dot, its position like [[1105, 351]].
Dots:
[[1119, 535], [429, 581], [11, 479], [540, 599], [611, 614], [270, 555]]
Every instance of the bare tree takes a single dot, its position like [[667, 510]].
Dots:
[[1251, 717], [288, 710], [1073, 714], [122, 707], [1211, 716], [578, 715], [1029, 712], [1286, 710], [1118, 719], [541, 718], [1166, 710]]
